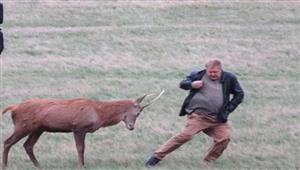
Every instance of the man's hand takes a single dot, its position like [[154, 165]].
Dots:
[[197, 84]]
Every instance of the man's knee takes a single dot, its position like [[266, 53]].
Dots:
[[224, 137], [183, 137], [224, 142]]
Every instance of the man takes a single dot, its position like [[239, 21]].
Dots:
[[207, 108]]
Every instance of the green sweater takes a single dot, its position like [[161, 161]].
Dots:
[[209, 99]]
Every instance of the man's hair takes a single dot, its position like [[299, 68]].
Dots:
[[213, 63]]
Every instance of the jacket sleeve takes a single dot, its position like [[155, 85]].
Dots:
[[238, 95], [187, 83]]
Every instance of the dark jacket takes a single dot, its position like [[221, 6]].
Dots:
[[230, 85]]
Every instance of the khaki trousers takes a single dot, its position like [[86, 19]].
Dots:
[[220, 132]]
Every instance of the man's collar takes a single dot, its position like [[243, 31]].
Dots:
[[222, 77]]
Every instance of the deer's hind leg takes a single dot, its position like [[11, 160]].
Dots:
[[29, 144], [18, 134]]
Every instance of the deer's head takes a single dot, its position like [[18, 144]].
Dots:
[[135, 109]]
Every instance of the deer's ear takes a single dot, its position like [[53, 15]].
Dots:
[[140, 99]]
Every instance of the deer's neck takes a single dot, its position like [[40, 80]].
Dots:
[[111, 113]]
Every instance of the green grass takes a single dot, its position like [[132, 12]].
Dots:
[[114, 49]]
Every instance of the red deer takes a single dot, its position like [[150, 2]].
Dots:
[[80, 116]]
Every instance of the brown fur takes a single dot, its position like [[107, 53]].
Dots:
[[80, 116]]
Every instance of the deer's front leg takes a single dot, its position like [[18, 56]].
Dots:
[[79, 140]]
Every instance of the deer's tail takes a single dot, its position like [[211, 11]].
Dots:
[[10, 108]]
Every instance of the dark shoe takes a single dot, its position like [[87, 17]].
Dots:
[[151, 161]]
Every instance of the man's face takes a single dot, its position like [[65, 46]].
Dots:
[[214, 73]]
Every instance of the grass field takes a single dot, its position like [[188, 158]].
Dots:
[[123, 49]]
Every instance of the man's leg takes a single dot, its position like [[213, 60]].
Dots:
[[221, 137], [192, 127]]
